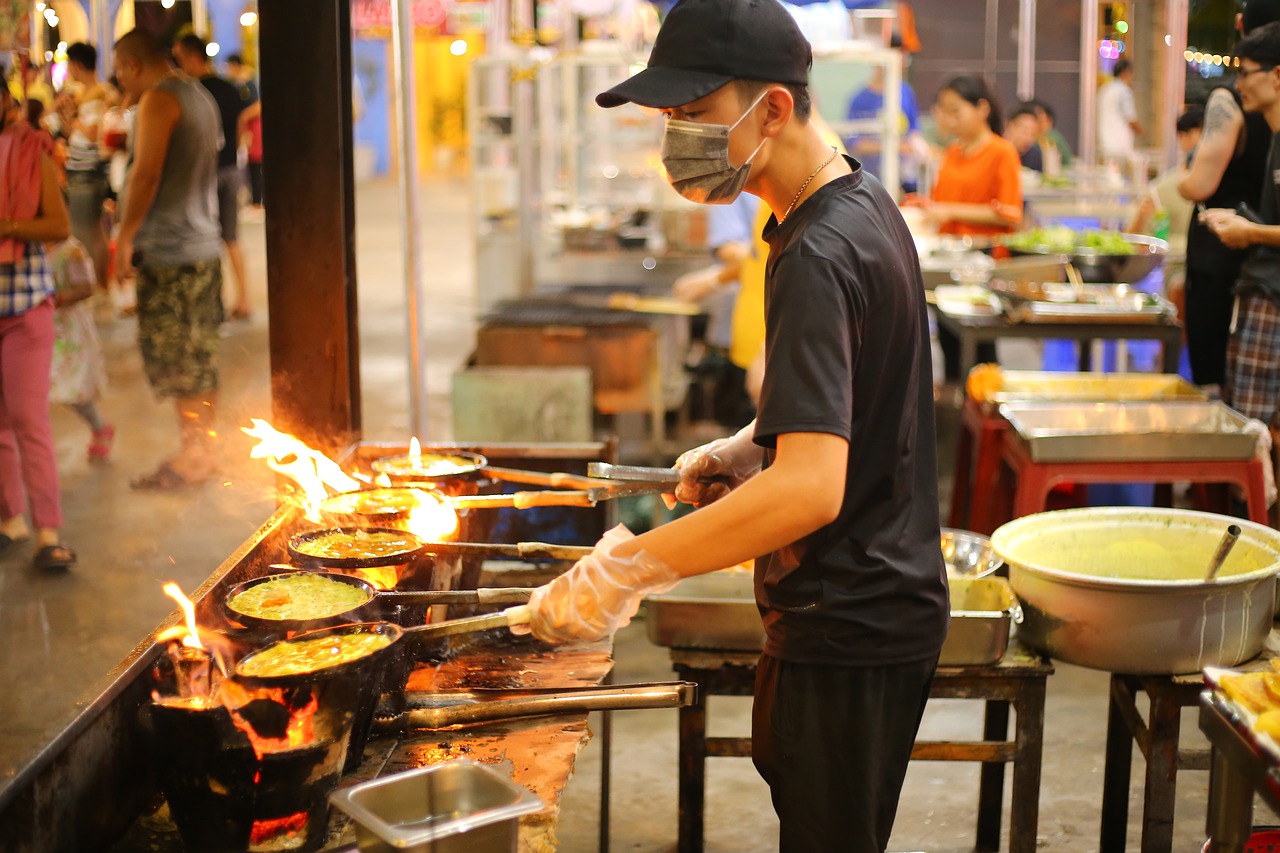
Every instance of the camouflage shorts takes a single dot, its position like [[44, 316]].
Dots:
[[179, 312]]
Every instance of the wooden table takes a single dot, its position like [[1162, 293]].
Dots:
[[977, 330], [1157, 736], [1018, 681]]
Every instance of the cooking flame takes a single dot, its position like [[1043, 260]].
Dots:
[[380, 577], [415, 447], [433, 517], [299, 731], [190, 634], [310, 470]]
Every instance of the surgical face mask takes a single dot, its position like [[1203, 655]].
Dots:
[[696, 157]]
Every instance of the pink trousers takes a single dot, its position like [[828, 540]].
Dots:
[[28, 466]]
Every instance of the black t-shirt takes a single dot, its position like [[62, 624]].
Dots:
[[847, 353], [1261, 269], [1241, 182], [230, 104]]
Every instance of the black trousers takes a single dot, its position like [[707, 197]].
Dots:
[[1209, 299], [833, 742]]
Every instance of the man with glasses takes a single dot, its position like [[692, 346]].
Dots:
[[1253, 356]]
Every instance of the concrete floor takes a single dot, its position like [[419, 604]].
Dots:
[[60, 635]]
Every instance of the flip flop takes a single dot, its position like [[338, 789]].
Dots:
[[55, 557], [8, 544], [163, 479]]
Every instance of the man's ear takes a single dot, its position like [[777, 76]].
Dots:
[[779, 107]]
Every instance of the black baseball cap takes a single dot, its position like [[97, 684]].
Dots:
[[704, 44]]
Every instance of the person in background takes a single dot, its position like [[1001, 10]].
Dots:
[[79, 371], [191, 55], [80, 116], [171, 218], [979, 184], [834, 487], [1021, 129], [32, 213], [1228, 169], [1118, 126], [1164, 213], [1055, 151], [978, 190], [249, 131], [1253, 356], [34, 81], [868, 103]]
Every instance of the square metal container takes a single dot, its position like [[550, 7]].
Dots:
[[712, 611], [1047, 386], [1116, 432], [982, 612], [718, 611], [458, 807]]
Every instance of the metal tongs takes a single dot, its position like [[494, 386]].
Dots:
[[570, 489]]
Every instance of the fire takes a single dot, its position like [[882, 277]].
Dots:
[[190, 634], [415, 447], [289, 825], [379, 577], [310, 470], [433, 517], [299, 731]]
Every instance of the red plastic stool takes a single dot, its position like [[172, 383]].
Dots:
[[1262, 841]]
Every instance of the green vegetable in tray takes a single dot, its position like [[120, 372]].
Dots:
[[1061, 240]]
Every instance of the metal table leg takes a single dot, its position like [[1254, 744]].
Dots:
[[995, 727], [1230, 819], [1115, 778], [1029, 733], [692, 785]]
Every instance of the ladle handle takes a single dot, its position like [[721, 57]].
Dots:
[[1225, 545]]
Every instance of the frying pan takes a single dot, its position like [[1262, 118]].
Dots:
[[401, 471], [299, 541], [343, 508], [518, 550], [375, 603], [504, 618]]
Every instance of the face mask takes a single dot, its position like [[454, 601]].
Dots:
[[696, 157]]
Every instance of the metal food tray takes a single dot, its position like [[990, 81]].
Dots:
[[1115, 432], [1100, 307], [718, 611], [1044, 386], [983, 610], [712, 611]]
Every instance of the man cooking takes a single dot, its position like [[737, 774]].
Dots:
[[835, 483]]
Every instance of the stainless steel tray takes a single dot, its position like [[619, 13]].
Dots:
[[1038, 386], [982, 612], [1158, 431], [1089, 303], [718, 611], [713, 611]]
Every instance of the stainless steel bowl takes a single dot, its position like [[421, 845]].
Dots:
[[968, 554], [1099, 268], [1122, 589]]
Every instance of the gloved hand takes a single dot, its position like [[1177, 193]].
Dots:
[[599, 594], [710, 472]]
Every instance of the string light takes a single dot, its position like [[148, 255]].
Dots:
[[248, 19]]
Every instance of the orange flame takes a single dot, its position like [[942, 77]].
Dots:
[[190, 634], [379, 577], [300, 730], [433, 517], [310, 470], [288, 826], [415, 447]]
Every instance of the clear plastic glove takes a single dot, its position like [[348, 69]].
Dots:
[[710, 472], [599, 594]]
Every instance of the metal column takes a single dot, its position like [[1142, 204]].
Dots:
[[311, 270], [1088, 80], [410, 245], [1026, 84], [1175, 73]]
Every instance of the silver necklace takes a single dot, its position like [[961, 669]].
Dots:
[[805, 185]]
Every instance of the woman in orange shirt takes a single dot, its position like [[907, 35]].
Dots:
[[979, 186]]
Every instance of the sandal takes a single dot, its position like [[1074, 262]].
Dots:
[[163, 479], [55, 557], [100, 444], [8, 543]]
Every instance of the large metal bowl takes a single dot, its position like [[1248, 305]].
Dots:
[[1122, 589], [1099, 268], [968, 554]]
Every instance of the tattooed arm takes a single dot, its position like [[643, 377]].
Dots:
[[1222, 139]]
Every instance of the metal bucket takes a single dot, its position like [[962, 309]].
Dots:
[[1122, 589]]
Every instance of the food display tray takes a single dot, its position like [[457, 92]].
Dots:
[[1054, 302], [1154, 431], [1044, 386], [718, 611]]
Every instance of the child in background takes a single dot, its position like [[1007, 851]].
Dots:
[[79, 372]]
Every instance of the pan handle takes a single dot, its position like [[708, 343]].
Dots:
[[671, 694], [519, 550], [493, 595], [554, 479]]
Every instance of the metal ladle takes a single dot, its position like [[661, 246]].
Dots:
[[1227, 542]]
